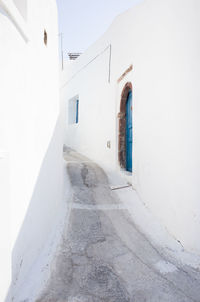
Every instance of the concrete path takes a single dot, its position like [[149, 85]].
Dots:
[[103, 257]]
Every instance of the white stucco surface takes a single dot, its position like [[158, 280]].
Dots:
[[31, 163], [161, 40], [5, 261]]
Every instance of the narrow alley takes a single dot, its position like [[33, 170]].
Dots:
[[103, 256]]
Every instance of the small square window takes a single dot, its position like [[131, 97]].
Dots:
[[73, 110]]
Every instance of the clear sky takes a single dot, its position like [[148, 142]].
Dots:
[[82, 22]]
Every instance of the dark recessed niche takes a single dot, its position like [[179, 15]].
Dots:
[[45, 37]]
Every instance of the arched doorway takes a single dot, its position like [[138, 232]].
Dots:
[[125, 128]]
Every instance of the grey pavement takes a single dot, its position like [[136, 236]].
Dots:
[[104, 257]]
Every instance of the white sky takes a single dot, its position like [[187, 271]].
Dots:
[[82, 22]]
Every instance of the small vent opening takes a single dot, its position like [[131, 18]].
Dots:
[[45, 37]]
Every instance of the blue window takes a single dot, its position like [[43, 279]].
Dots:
[[73, 110], [77, 105]]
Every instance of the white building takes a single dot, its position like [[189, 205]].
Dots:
[[150, 55], [153, 51], [31, 169]]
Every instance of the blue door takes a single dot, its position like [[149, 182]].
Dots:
[[129, 132]]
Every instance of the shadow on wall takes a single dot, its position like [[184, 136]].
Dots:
[[45, 205]]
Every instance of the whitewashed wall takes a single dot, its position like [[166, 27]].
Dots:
[[31, 137], [161, 40]]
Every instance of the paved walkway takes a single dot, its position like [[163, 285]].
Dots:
[[103, 256]]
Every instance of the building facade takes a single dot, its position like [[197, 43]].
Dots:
[[31, 167], [149, 56]]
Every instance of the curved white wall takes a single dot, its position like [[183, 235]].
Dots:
[[161, 40], [31, 134]]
